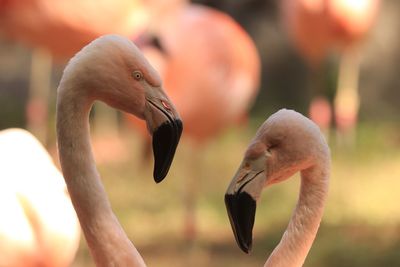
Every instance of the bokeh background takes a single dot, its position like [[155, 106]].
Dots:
[[361, 225]]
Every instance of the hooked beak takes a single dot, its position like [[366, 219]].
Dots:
[[241, 200], [164, 123]]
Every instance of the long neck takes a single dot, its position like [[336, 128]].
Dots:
[[303, 226], [106, 239]]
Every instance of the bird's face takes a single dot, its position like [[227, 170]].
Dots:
[[162, 119], [244, 191], [129, 83], [280, 148]]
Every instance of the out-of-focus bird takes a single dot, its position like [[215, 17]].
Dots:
[[38, 225], [59, 29], [209, 65], [286, 143], [319, 27], [113, 70], [63, 27], [210, 68]]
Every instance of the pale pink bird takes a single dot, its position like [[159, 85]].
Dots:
[[113, 70], [285, 144], [38, 225], [320, 27]]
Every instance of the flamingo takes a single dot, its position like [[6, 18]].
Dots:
[[64, 27], [287, 142], [319, 27], [211, 70], [113, 70], [59, 29], [220, 63], [38, 225]]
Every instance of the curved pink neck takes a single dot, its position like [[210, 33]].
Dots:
[[106, 239], [303, 226]]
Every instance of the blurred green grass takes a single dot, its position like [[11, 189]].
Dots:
[[360, 226]]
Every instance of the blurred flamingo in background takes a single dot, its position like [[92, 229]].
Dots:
[[59, 29], [38, 225], [320, 27], [210, 69], [64, 27]]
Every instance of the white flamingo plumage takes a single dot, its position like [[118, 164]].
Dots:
[[38, 225]]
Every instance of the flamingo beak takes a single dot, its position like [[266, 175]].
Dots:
[[241, 202], [164, 123]]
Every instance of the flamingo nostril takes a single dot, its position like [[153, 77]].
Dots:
[[166, 105]]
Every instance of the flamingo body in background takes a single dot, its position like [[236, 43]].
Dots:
[[59, 29], [113, 70], [64, 27], [286, 143], [210, 68], [352, 20], [320, 27], [38, 225]]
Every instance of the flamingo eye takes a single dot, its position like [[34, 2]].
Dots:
[[137, 75]]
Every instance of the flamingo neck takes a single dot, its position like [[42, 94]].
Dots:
[[303, 226], [107, 241]]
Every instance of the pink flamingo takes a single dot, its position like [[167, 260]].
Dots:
[[210, 68], [38, 226], [64, 27], [113, 70], [59, 29], [287, 142], [319, 27], [220, 67]]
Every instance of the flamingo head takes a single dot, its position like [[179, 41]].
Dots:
[[112, 69], [287, 142]]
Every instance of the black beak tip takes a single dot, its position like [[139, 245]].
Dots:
[[158, 177], [241, 209], [246, 248], [165, 140]]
